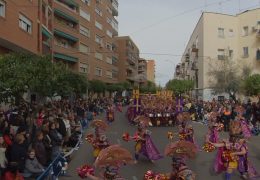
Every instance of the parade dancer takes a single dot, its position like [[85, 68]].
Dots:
[[213, 133], [98, 140], [180, 170], [109, 160], [233, 155], [144, 144], [110, 114]]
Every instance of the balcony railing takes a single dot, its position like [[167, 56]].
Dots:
[[115, 8]]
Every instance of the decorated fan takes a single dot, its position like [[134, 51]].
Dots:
[[84, 170], [143, 121], [99, 124], [181, 148], [113, 155]]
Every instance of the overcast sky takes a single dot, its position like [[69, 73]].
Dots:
[[160, 27]]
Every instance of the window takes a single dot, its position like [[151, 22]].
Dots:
[[109, 33], [86, 2], [2, 8], [109, 46], [84, 31], [245, 31], [98, 71], [98, 56], [231, 33], [245, 52], [221, 54], [98, 25], [221, 32], [231, 54], [114, 74], [98, 11], [84, 14], [109, 60], [83, 48], [109, 74], [83, 68], [25, 23], [98, 39]]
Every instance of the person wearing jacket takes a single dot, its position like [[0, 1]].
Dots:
[[40, 150], [32, 165]]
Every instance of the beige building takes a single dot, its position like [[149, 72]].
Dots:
[[128, 58], [215, 39], [78, 33], [151, 70], [142, 71]]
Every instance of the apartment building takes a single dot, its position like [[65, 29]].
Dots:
[[142, 71], [151, 70], [128, 58], [216, 39], [78, 33]]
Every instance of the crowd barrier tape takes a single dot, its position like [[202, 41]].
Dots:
[[53, 171]]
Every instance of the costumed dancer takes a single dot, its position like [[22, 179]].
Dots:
[[144, 144], [233, 154], [110, 160], [99, 141], [181, 151], [110, 114], [243, 123]]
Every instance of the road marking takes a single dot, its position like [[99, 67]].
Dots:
[[135, 178]]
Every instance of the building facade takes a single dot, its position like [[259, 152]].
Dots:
[[216, 39], [128, 58], [151, 70], [142, 71], [78, 33]]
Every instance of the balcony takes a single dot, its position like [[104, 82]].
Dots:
[[66, 33], [131, 68], [114, 25], [46, 49], [194, 48], [64, 15], [69, 6], [258, 33], [65, 57], [114, 7]]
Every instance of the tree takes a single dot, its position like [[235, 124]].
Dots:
[[252, 85], [227, 76], [97, 86], [179, 86], [21, 73], [150, 87]]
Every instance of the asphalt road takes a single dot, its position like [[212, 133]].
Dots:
[[201, 165]]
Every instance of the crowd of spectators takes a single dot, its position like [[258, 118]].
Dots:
[[33, 135]]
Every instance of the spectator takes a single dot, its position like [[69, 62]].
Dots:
[[32, 165], [3, 160], [56, 140], [18, 152], [40, 150]]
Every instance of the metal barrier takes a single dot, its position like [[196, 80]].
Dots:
[[54, 170]]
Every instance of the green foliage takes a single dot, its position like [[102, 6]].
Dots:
[[20, 73], [97, 86], [150, 87], [252, 85], [179, 86]]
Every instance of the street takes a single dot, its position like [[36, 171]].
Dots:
[[201, 165]]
